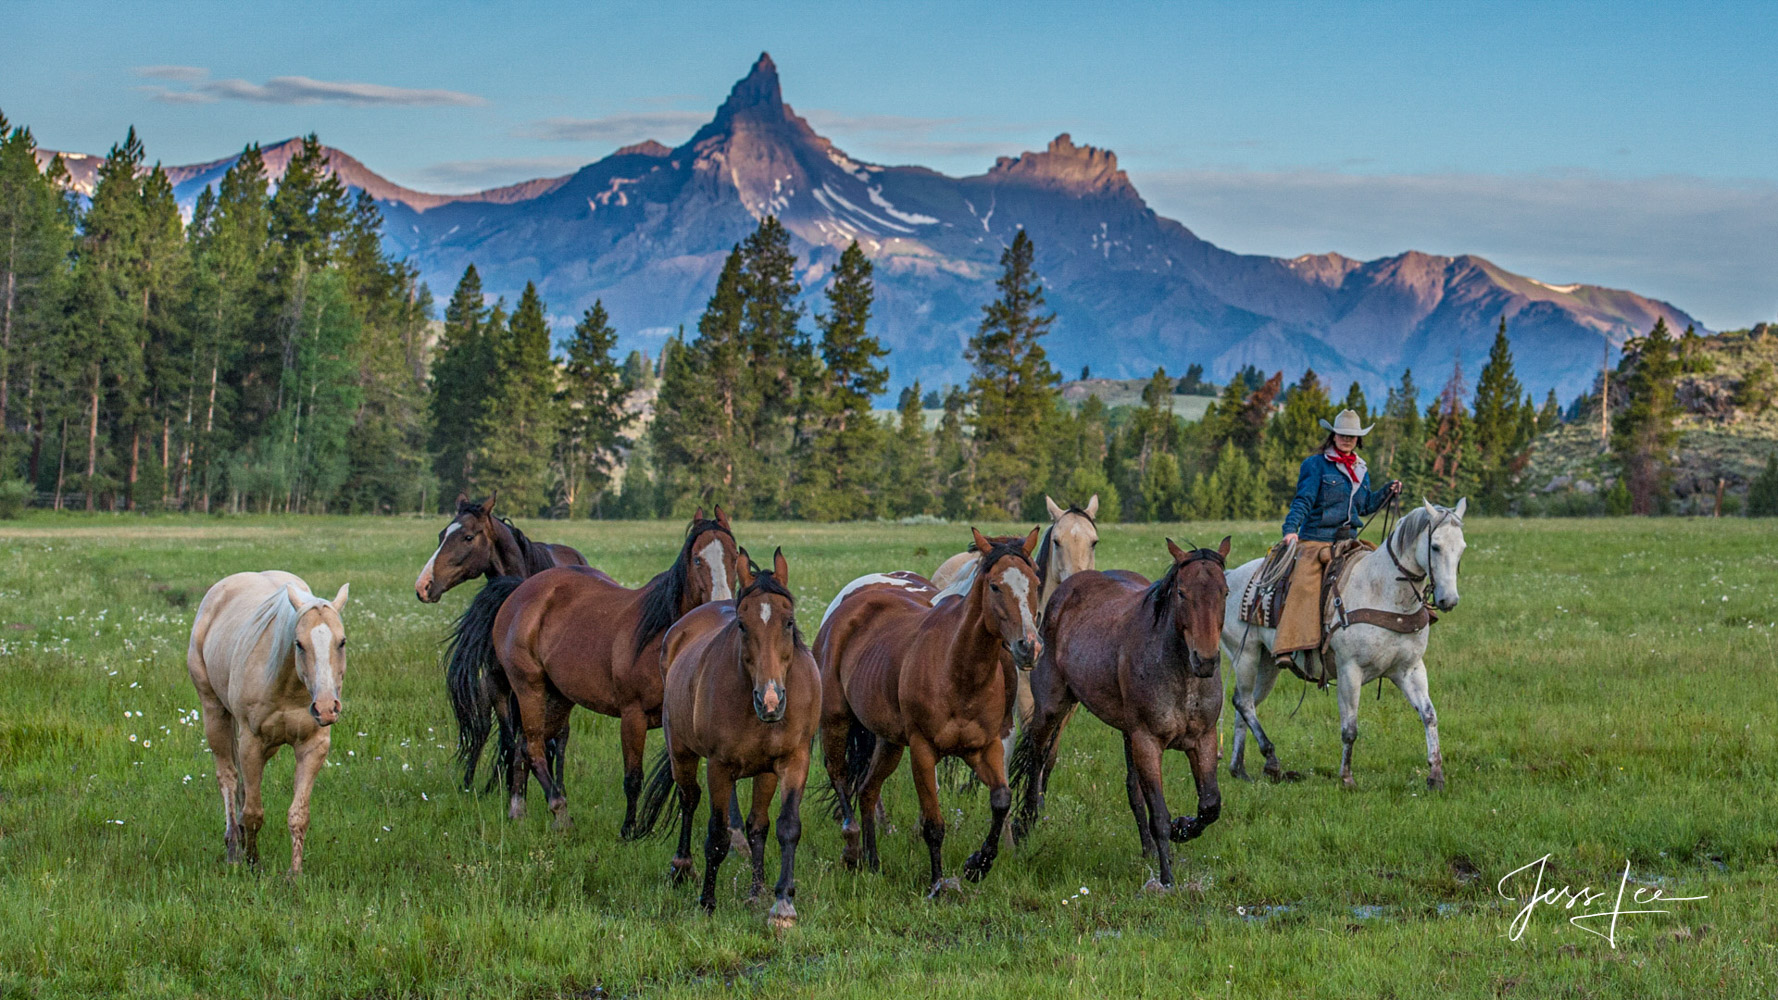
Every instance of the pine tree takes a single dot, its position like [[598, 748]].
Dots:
[[1642, 434], [1550, 415], [703, 406], [1355, 402], [1294, 434], [35, 239], [1762, 491], [953, 454], [838, 482], [518, 427], [910, 472], [779, 373], [1397, 443], [1012, 386], [591, 408], [462, 370], [1450, 445], [1501, 445]]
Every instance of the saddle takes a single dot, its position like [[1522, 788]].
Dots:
[[1263, 599]]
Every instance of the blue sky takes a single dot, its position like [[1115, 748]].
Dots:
[[1632, 145]]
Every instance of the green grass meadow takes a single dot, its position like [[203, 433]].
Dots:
[[1607, 693]]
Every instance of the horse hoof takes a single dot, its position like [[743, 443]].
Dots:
[[1239, 774], [681, 871], [1347, 782], [1185, 828], [851, 856], [944, 886], [1292, 776], [782, 916], [737, 841], [976, 868], [708, 905], [561, 824], [1436, 782], [1156, 886]]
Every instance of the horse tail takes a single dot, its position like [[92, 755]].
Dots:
[[469, 662], [861, 746], [1026, 765], [657, 790]]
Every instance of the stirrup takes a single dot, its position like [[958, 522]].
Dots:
[[1294, 663]]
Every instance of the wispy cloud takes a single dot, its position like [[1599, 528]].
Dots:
[[460, 176], [632, 126], [293, 90], [1704, 245]]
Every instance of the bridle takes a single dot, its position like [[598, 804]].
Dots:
[[1422, 594]]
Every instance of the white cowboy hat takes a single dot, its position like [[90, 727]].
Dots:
[[1346, 423]]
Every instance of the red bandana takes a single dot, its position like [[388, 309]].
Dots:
[[1348, 461]]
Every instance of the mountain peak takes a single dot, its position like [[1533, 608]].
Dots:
[[757, 92], [1081, 169]]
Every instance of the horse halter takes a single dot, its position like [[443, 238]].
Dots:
[[1413, 580]]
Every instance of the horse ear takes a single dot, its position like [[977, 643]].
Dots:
[[1093, 507], [744, 568], [699, 515], [1050, 505], [488, 505], [780, 568], [982, 544], [1175, 551], [721, 518], [1031, 540], [1462, 505], [1430, 509], [295, 596], [462, 500], [339, 599], [1223, 549]]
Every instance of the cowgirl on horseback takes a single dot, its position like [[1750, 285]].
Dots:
[[1333, 496]]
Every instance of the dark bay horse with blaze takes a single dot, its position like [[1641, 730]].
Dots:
[[1144, 659], [743, 694], [900, 672], [476, 543], [570, 636]]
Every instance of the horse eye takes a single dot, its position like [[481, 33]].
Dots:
[[342, 643], [995, 587]]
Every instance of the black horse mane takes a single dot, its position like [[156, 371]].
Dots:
[[660, 606], [1156, 595], [535, 555]]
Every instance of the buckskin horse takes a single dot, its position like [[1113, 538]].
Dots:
[[476, 543], [743, 693], [1143, 658], [1385, 604], [900, 672], [268, 658], [570, 636]]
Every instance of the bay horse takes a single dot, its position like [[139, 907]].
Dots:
[[569, 636], [900, 672], [476, 543], [1070, 544], [268, 659], [1144, 659], [1414, 570], [744, 695]]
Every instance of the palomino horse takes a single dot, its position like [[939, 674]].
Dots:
[[267, 657], [900, 672], [568, 637], [1069, 545], [1144, 659], [476, 543], [742, 693], [1415, 569]]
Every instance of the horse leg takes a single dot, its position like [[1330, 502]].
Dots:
[[1253, 681], [518, 770], [533, 713], [834, 728], [883, 762], [1040, 733], [1413, 687], [792, 774], [758, 823], [310, 755], [990, 767], [219, 730], [685, 775], [1138, 799], [1351, 687], [556, 750], [932, 821], [1145, 754], [254, 754], [633, 732], [716, 843], [1202, 755], [737, 825]]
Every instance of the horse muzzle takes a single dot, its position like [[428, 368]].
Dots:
[[325, 715], [769, 702], [1446, 603], [1025, 653], [1203, 666]]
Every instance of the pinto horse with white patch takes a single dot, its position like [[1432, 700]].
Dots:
[[569, 637], [268, 658], [906, 669], [476, 543]]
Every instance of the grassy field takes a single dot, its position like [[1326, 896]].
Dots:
[[1606, 694]]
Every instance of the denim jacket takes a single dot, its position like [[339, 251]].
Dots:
[[1327, 498]]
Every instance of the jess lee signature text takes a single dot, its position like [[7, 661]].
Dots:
[[1587, 899]]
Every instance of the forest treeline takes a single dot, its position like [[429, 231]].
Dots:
[[267, 354]]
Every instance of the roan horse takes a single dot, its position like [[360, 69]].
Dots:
[[267, 657], [476, 543], [900, 672], [743, 693], [569, 637], [1142, 657], [1415, 569]]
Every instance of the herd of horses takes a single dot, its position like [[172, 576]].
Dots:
[[985, 662]]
